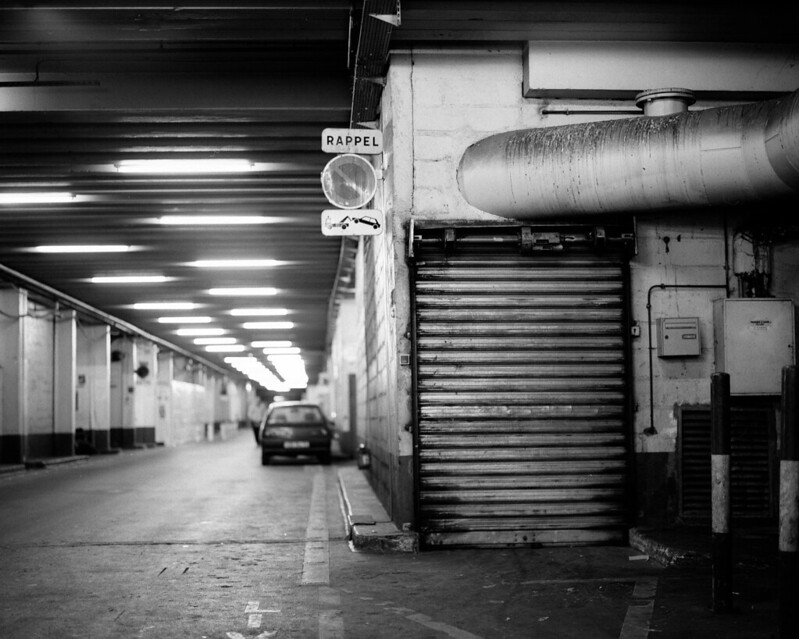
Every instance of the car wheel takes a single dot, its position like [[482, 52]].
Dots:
[[324, 459], [264, 459]]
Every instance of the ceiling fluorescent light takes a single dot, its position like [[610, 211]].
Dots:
[[288, 350], [226, 348], [36, 198], [83, 248], [198, 332], [165, 306], [184, 320], [203, 341], [183, 167], [259, 312], [216, 220], [243, 291], [281, 343], [267, 325], [257, 372], [129, 279], [236, 263]]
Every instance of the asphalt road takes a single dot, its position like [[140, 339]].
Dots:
[[201, 541]]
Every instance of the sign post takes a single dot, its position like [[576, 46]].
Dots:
[[360, 222], [349, 182], [360, 141]]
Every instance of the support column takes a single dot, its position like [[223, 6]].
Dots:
[[64, 368], [144, 393], [13, 306], [789, 505], [720, 491], [93, 410], [163, 420], [123, 354]]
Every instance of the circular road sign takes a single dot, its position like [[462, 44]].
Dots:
[[349, 181]]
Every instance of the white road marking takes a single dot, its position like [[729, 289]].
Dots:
[[331, 624], [448, 630], [645, 588], [639, 614], [254, 606], [636, 622], [255, 617], [316, 564], [331, 619]]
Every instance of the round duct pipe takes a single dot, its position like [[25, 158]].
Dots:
[[664, 101], [724, 155]]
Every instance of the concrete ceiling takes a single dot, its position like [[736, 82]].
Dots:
[[85, 86]]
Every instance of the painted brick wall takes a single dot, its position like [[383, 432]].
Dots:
[[434, 106]]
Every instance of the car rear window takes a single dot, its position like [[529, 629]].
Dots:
[[295, 415]]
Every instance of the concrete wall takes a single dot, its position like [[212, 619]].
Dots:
[[65, 385], [434, 106], [343, 369], [93, 371], [38, 350], [13, 406], [188, 412]]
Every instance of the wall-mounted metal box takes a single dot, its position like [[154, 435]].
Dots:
[[754, 339], [678, 337]]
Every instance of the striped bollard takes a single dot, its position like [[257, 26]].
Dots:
[[789, 506], [720, 494]]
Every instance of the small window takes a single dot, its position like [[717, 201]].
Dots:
[[295, 415]]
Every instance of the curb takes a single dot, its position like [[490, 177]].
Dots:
[[53, 461], [660, 552], [39, 463], [368, 525]]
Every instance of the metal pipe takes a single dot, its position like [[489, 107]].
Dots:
[[715, 156], [665, 101]]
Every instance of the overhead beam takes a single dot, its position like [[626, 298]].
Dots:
[[295, 96], [377, 22]]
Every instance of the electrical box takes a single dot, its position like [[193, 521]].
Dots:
[[754, 339], [678, 337]]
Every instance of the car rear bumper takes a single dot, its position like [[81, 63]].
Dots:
[[289, 448]]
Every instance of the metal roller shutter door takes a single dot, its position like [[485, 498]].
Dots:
[[521, 398]]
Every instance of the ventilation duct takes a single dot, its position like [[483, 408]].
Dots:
[[726, 155]]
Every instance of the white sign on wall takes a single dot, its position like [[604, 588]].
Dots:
[[361, 141], [360, 222]]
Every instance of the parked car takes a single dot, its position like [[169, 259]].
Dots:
[[294, 429]]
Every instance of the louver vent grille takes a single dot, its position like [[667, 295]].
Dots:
[[751, 463]]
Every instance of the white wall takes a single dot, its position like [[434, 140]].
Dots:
[[93, 378], [189, 413], [38, 352]]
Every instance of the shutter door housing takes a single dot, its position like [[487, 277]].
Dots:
[[521, 393]]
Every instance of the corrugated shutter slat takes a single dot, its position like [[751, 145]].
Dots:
[[521, 398]]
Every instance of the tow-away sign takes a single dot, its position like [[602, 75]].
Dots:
[[360, 141], [360, 222]]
